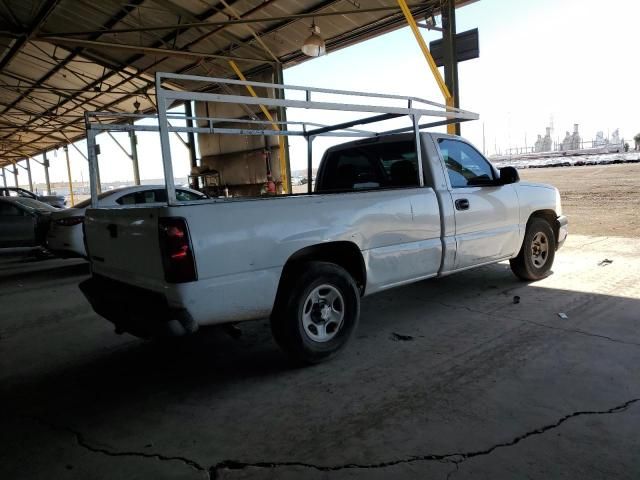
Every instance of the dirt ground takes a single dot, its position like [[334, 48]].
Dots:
[[599, 200]]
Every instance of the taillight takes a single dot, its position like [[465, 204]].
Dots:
[[177, 254], [69, 221]]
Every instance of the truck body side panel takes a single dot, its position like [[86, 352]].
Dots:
[[489, 230], [241, 246]]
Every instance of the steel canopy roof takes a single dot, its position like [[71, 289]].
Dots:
[[59, 58]]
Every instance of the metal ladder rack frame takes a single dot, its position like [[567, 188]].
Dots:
[[414, 108]]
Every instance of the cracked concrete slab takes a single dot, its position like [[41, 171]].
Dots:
[[484, 387], [38, 451], [587, 437]]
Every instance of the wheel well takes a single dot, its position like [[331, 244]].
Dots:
[[345, 254], [551, 218]]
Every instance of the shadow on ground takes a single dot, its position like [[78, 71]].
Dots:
[[448, 377]]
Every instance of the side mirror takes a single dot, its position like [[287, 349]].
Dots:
[[509, 175]]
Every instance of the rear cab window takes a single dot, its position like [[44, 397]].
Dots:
[[156, 196], [145, 196], [370, 167]]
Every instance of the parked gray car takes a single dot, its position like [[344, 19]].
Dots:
[[53, 200], [23, 222]]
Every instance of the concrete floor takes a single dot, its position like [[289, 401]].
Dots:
[[446, 378]]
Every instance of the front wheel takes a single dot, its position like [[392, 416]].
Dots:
[[538, 251], [316, 313]]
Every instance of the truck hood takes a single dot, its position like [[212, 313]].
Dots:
[[539, 185]]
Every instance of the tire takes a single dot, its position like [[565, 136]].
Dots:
[[316, 312], [538, 251]]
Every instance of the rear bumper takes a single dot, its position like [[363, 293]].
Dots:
[[66, 243], [563, 230], [136, 310]]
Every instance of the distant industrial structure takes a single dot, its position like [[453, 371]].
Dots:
[[572, 144]]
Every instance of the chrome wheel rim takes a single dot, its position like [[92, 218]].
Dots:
[[323, 313], [539, 250]]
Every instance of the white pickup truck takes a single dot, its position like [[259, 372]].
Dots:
[[306, 260]]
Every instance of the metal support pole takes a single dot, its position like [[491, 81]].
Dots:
[[309, 163], [191, 139], [284, 173], [416, 132], [97, 164], [98, 181], [425, 49], [45, 162], [282, 116], [134, 156], [66, 152], [165, 144], [15, 174], [450, 59], [29, 175], [4, 178], [93, 166]]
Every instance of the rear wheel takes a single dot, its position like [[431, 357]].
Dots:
[[316, 313], [538, 250]]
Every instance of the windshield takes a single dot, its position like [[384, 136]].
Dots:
[[87, 202], [34, 204]]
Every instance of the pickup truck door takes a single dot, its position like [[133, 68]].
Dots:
[[486, 216], [17, 227]]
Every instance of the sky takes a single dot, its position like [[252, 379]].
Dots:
[[567, 59], [570, 60]]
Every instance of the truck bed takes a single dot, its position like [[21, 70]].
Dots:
[[241, 245]]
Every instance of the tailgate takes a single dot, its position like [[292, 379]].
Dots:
[[123, 244]]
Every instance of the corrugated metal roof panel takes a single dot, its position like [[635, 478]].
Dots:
[[50, 77]]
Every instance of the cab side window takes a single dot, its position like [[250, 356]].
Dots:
[[8, 210], [465, 166]]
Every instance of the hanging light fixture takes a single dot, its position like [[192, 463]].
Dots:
[[314, 45]]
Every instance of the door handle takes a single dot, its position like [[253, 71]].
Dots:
[[113, 230], [462, 204]]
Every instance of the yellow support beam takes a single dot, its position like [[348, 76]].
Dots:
[[283, 164], [430, 61]]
